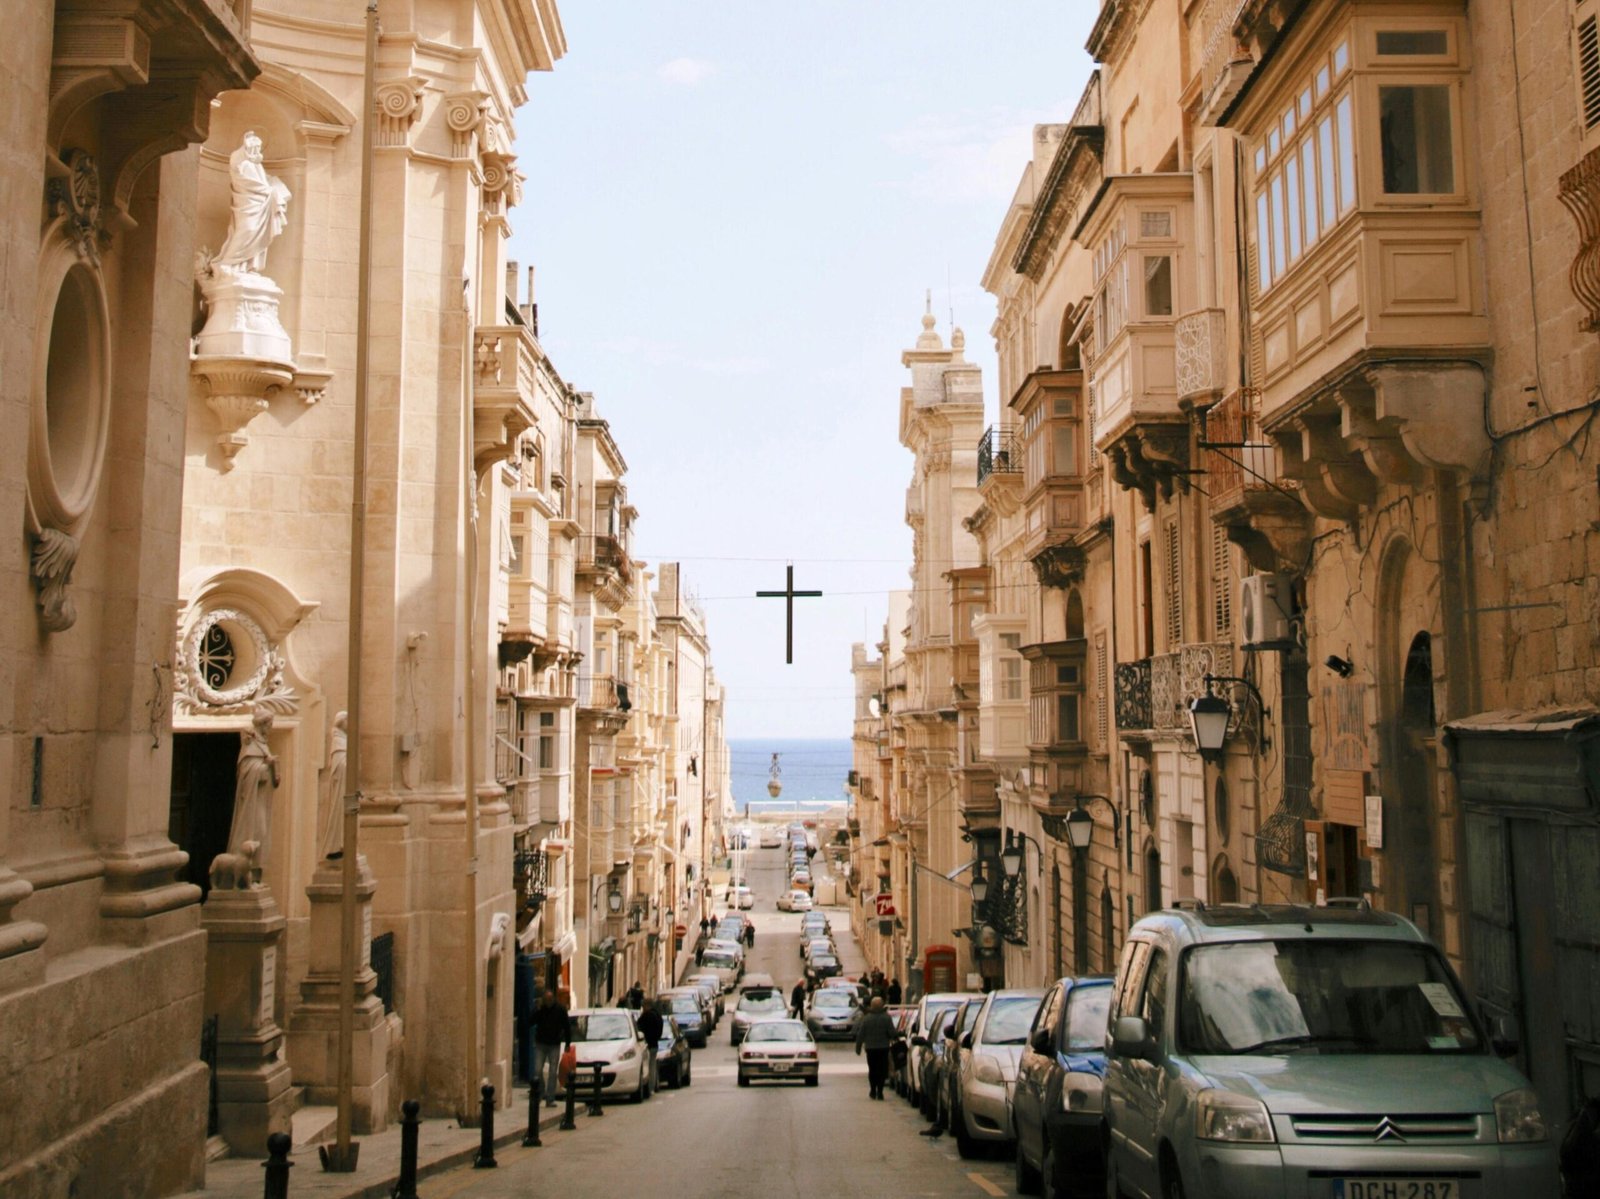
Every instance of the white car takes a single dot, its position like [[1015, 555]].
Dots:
[[794, 901], [610, 1038], [778, 1049], [742, 898], [771, 839]]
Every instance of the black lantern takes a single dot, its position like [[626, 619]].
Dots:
[[1080, 828], [1011, 855], [614, 898], [980, 885], [1209, 718]]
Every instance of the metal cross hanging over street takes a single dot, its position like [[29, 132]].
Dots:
[[788, 595]]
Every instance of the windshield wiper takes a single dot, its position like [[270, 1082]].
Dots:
[[1304, 1041]]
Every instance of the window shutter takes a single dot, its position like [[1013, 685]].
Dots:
[[1102, 687], [1588, 52], [1174, 590], [1221, 583]]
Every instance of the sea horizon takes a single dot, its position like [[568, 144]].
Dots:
[[813, 771]]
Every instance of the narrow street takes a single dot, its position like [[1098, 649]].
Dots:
[[720, 1142]]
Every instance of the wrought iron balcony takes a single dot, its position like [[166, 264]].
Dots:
[[532, 877], [998, 453], [601, 552], [1133, 696]]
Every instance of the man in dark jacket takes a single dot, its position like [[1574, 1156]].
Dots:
[[797, 999], [876, 1034], [552, 1031], [894, 993], [651, 1025]]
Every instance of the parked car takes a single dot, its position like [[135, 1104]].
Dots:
[[958, 1042], [833, 1012], [742, 898], [771, 838], [673, 1065], [988, 1068], [757, 980], [725, 962], [900, 1078], [817, 945], [761, 1003], [815, 924], [687, 1006], [610, 1038], [711, 986], [794, 900], [778, 1049], [928, 1049], [1056, 1104], [921, 1024], [1308, 1050], [823, 966]]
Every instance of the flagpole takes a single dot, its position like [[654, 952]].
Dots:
[[342, 1159]]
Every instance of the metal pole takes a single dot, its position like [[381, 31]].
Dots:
[[342, 1158], [569, 1120], [530, 1139], [469, 533], [485, 1159], [406, 1186], [277, 1167], [596, 1108]]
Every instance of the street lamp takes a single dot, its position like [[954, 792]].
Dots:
[[614, 898], [1210, 716], [980, 885], [1080, 828], [1011, 856]]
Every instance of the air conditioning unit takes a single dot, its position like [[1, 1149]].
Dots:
[[1264, 603]]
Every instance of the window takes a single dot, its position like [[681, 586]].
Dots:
[[1413, 42], [1011, 678], [1158, 285], [1102, 688], [1418, 157], [1067, 718], [1155, 992], [1305, 173], [1588, 66], [547, 740], [514, 566]]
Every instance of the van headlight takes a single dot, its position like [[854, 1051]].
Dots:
[[1225, 1116], [986, 1069], [1518, 1119], [1082, 1093]]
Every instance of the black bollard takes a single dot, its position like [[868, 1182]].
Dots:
[[595, 1107], [410, 1126], [485, 1159], [569, 1119], [530, 1139], [277, 1166]]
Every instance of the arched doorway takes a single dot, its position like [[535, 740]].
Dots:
[[1152, 877], [1224, 884], [1074, 614]]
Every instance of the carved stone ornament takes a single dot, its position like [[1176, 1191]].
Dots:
[[399, 104], [465, 113], [227, 666], [76, 196], [54, 555]]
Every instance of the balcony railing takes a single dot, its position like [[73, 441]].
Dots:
[[1238, 457], [1133, 696], [1179, 677], [601, 551], [602, 691], [999, 453], [532, 876], [1199, 345]]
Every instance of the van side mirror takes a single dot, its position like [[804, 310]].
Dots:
[[1041, 1043], [1130, 1037], [1503, 1038]]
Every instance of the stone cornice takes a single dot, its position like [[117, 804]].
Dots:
[[1118, 18], [1073, 171]]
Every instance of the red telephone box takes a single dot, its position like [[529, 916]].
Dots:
[[939, 969]]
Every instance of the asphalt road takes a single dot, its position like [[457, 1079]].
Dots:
[[718, 1141]]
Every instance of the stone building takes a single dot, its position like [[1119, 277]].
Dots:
[[102, 957]]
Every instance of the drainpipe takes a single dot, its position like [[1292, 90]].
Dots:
[[470, 1104]]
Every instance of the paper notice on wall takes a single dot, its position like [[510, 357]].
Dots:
[[1439, 995], [269, 984], [1374, 814]]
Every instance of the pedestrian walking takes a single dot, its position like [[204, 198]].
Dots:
[[876, 1034], [894, 995], [635, 997], [750, 935], [650, 1025], [552, 1031], [797, 999]]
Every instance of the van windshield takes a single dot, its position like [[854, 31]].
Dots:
[[1275, 997]]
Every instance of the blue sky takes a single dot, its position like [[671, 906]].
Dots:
[[734, 210]]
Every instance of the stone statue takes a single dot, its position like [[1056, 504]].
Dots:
[[250, 834], [260, 211], [332, 843]]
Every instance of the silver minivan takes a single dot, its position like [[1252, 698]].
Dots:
[[1307, 1053]]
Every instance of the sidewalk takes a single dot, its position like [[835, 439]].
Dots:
[[441, 1146]]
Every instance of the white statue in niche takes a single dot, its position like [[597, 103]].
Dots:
[[260, 210], [331, 844], [251, 832]]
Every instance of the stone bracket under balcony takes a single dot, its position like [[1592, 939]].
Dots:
[[503, 386], [1389, 424], [1060, 565], [1151, 456]]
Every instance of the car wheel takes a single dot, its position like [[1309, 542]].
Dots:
[[1171, 1180], [811, 1082], [1113, 1183], [743, 1081], [641, 1092], [1027, 1178], [688, 1074]]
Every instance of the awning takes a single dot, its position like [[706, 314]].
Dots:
[[564, 947], [1544, 759]]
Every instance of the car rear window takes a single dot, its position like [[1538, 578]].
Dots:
[[685, 1003], [1009, 1020], [760, 1002], [1088, 1012], [724, 961]]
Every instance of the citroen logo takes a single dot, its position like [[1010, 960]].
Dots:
[[1387, 1130]]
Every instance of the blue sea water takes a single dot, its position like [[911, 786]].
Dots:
[[813, 772]]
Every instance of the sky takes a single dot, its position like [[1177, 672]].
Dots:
[[734, 211]]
